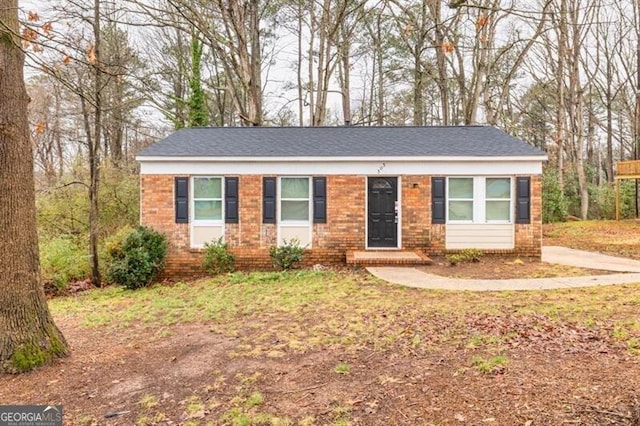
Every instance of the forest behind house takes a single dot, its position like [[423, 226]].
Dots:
[[107, 78]]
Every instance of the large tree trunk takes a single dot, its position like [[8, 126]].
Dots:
[[28, 335], [94, 152]]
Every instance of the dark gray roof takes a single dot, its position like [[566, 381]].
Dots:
[[347, 141]]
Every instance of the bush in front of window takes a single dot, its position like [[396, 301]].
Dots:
[[217, 259], [287, 255], [470, 255], [138, 260]]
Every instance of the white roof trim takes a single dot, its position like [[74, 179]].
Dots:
[[339, 159]]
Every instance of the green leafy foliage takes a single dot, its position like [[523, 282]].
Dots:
[[602, 199], [217, 259], [64, 209], [138, 260], [554, 203], [465, 256], [287, 255], [62, 261]]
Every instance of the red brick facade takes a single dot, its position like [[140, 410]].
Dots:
[[343, 231]]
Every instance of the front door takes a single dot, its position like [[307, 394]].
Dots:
[[382, 219]]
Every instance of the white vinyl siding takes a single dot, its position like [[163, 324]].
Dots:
[[480, 213], [479, 236], [207, 210], [294, 212]]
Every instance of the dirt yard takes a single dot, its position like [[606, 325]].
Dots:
[[341, 348]]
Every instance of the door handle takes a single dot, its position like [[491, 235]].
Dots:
[[395, 209]]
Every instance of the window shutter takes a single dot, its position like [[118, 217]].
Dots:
[[523, 200], [181, 193], [320, 199], [269, 200], [231, 200], [438, 200]]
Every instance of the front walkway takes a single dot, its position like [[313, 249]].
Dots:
[[412, 277]]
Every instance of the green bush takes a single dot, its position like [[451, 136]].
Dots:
[[137, 261], [465, 256], [217, 258], [453, 259], [63, 261], [555, 207], [287, 255], [111, 248]]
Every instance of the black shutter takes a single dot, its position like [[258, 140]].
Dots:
[[269, 200], [182, 199], [319, 200], [523, 200], [438, 200], [231, 200]]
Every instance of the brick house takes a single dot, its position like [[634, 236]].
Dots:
[[341, 190]]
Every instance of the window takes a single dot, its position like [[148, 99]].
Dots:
[[294, 199], [498, 199], [461, 199], [207, 199], [479, 199]]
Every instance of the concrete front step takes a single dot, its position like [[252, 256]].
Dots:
[[387, 257]]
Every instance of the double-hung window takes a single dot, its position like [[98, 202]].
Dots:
[[207, 212], [295, 210], [294, 199], [461, 196], [498, 199], [207, 199], [479, 200]]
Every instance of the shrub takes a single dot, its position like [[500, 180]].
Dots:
[[287, 255], [555, 207], [471, 255], [217, 258], [453, 259], [466, 255], [112, 248], [138, 260], [63, 261]]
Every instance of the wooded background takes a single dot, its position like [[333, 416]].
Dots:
[[109, 77]]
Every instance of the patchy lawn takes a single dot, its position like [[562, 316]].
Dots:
[[620, 238], [318, 348]]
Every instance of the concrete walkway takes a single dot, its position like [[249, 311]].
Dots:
[[413, 277]]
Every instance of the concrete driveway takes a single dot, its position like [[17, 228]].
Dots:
[[412, 277]]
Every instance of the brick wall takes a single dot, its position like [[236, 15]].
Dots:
[[416, 212], [528, 237], [250, 239]]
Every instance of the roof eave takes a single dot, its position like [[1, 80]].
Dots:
[[307, 159]]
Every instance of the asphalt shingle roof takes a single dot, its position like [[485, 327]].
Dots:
[[348, 141]]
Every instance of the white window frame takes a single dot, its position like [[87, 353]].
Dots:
[[295, 223], [510, 199], [204, 223], [480, 200], [194, 199], [472, 199]]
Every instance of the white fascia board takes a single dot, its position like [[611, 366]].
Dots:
[[494, 166], [143, 159]]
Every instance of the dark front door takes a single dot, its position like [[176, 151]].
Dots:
[[382, 212]]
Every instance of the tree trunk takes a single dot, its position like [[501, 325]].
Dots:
[[28, 335], [94, 150], [436, 12], [345, 75], [379, 58]]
